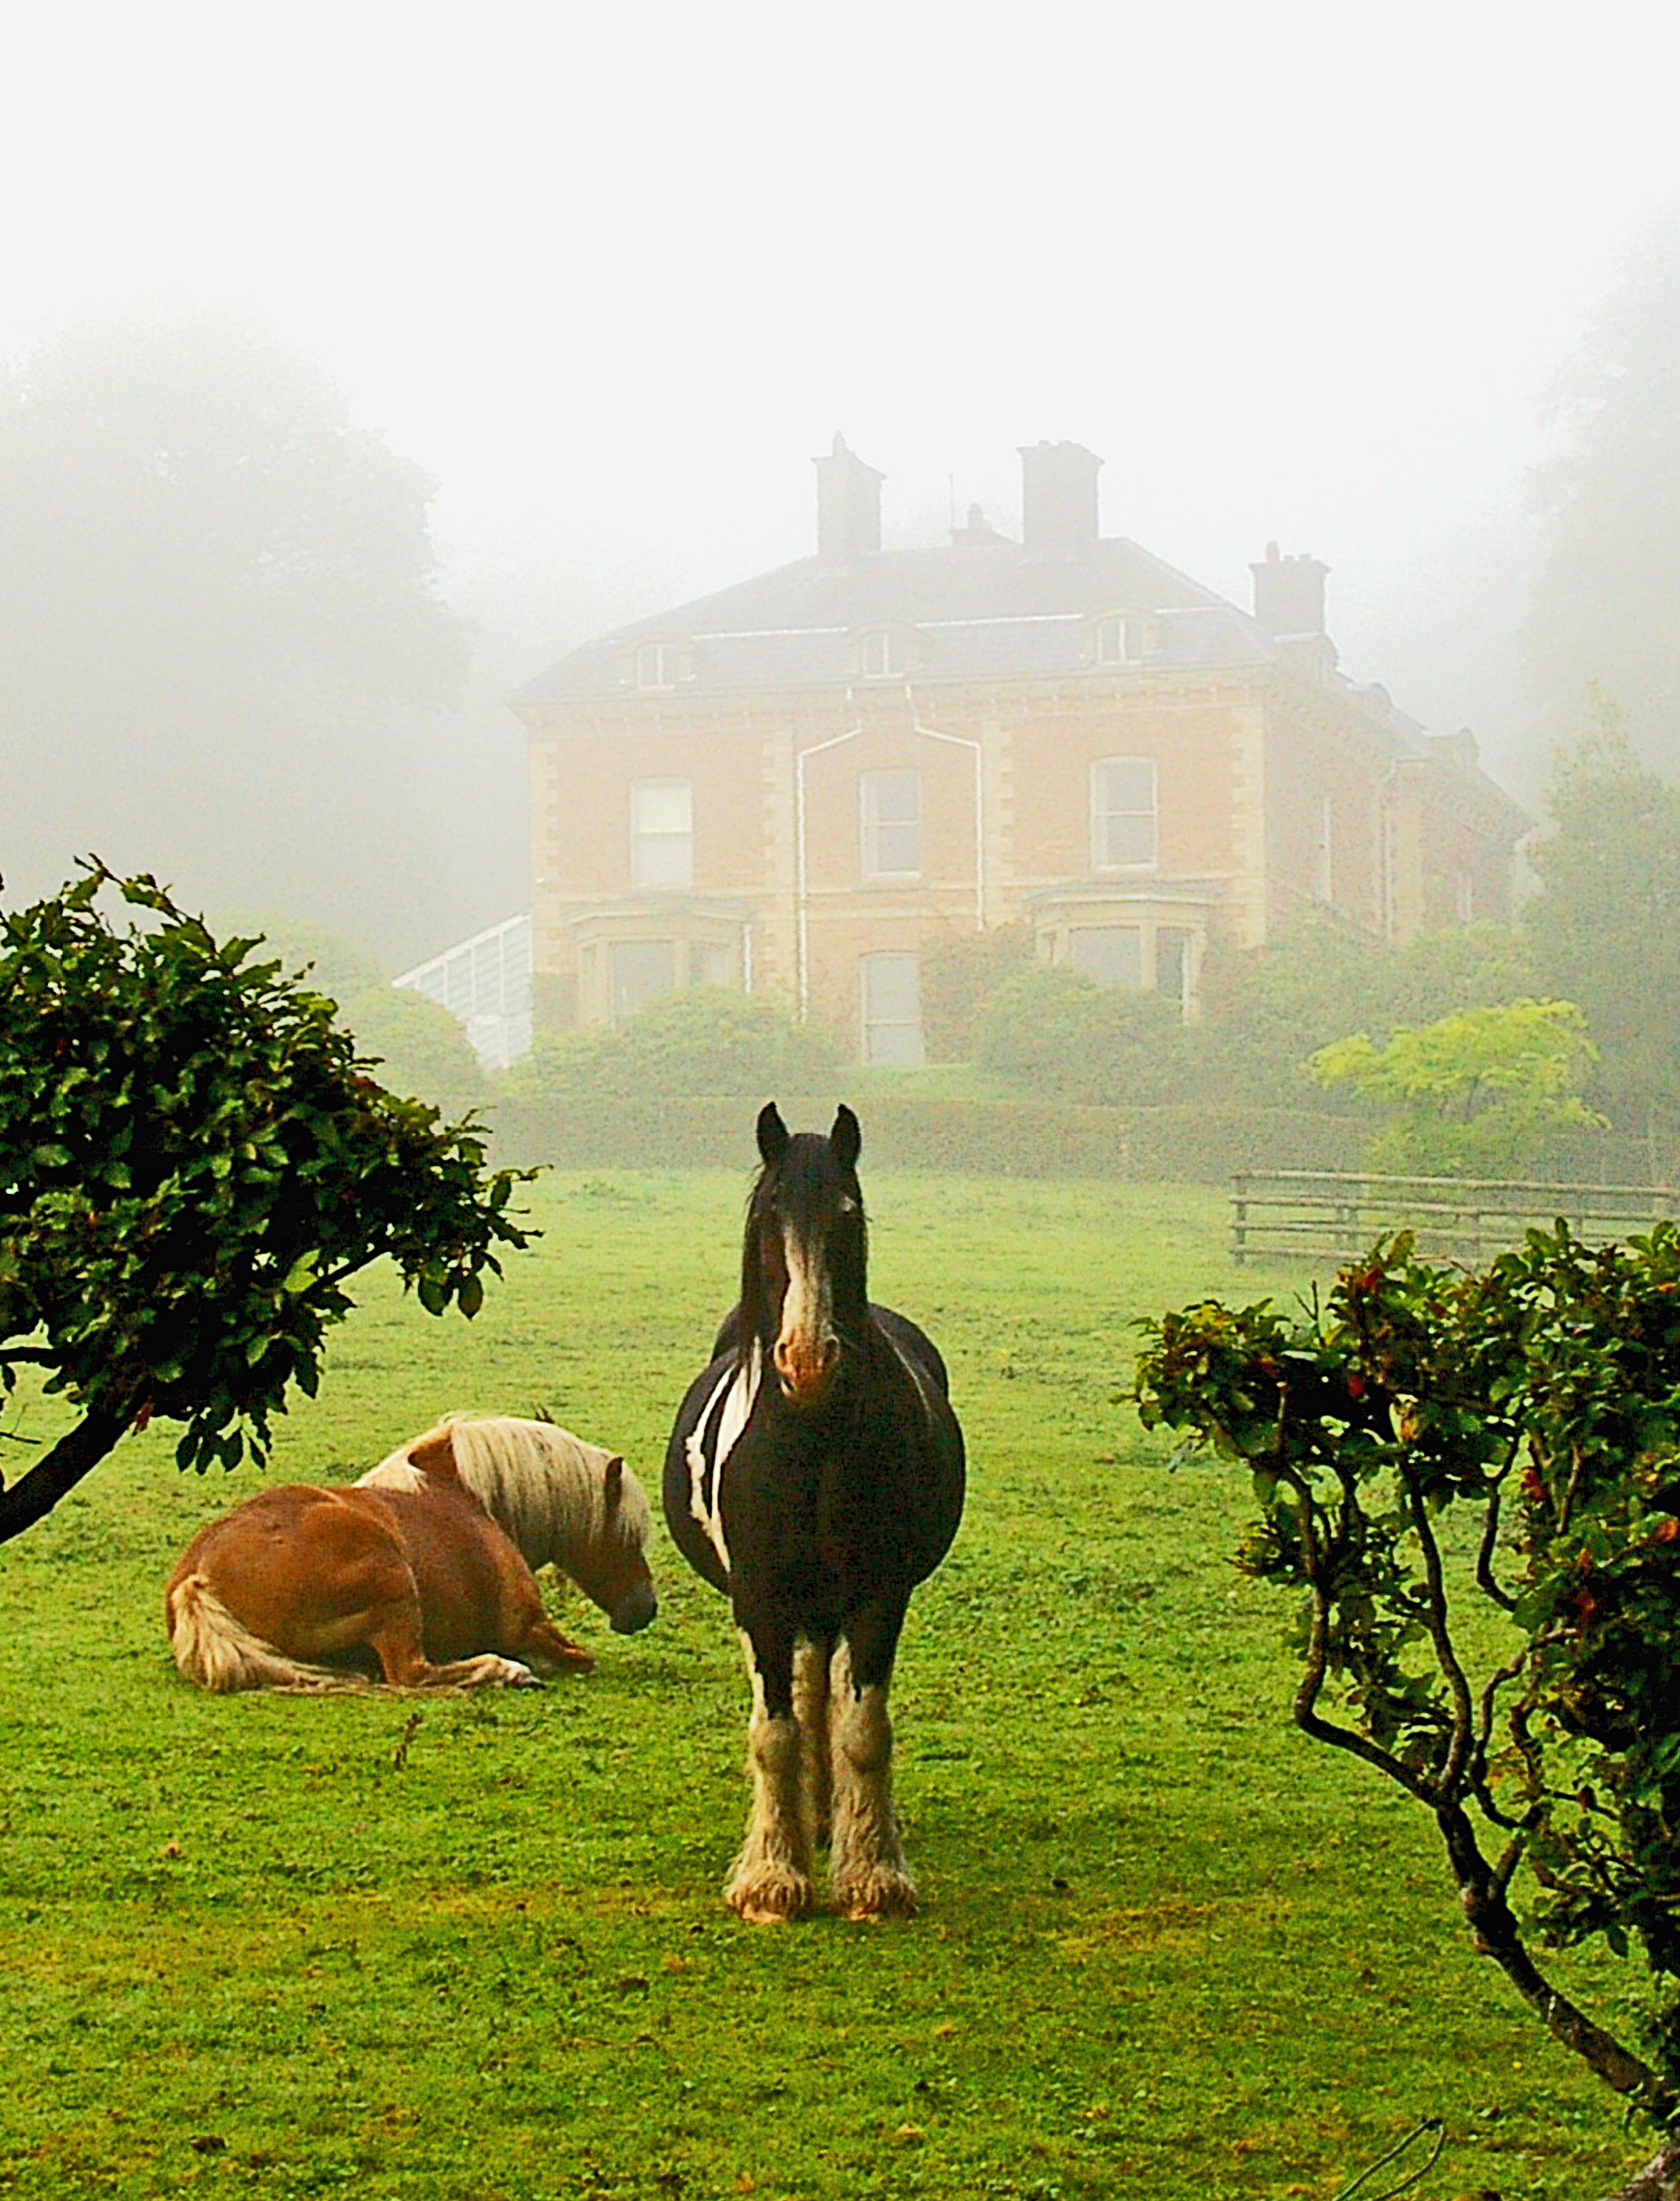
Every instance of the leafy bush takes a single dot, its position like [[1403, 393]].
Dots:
[[1472, 1483], [705, 1039], [960, 971], [419, 1046], [1060, 1034]]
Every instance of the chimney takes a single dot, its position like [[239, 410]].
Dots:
[[849, 507], [1289, 594], [1058, 500]]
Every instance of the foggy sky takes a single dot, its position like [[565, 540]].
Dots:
[[614, 275]]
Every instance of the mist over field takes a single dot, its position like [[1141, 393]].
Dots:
[[308, 457]]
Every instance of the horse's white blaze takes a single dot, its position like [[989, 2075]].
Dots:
[[712, 1440], [808, 1306]]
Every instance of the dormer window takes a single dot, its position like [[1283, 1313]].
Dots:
[[656, 665], [1122, 637], [882, 656]]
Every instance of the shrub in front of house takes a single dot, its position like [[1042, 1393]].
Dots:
[[705, 1039], [1058, 1035]]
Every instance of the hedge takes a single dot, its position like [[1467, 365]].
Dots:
[[1005, 1138]]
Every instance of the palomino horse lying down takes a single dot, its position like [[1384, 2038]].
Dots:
[[423, 1567]]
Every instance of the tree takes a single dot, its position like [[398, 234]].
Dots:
[[1471, 1094], [1469, 1483], [1605, 612], [219, 623], [192, 1163], [1605, 923], [1269, 1009]]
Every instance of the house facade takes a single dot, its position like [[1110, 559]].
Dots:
[[802, 782]]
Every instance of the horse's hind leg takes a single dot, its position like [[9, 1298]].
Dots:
[[870, 1878], [771, 1878], [811, 1709], [393, 1635]]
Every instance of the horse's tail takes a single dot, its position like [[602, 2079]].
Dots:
[[217, 1652]]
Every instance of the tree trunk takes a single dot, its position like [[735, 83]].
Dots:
[[1660, 2180], [77, 1454]]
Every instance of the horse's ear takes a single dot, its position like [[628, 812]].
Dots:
[[434, 1454], [613, 1480], [773, 1133], [847, 1137]]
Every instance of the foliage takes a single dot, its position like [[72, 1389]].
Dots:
[[219, 628], [419, 1048], [1057, 1034], [703, 1040], [1471, 1094], [193, 1162], [960, 972], [1268, 1010], [392, 1922], [1605, 920], [1431, 1451], [1604, 613]]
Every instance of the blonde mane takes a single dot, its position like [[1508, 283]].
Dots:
[[545, 1489]]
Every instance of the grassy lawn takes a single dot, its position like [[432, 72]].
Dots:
[[474, 1947]]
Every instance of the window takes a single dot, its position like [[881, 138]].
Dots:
[[1172, 963], [892, 1011], [1121, 639], [881, 656], [641, 970], [1122, 812], [1112, 954], [661, 833], [656, 665], [892, 824]]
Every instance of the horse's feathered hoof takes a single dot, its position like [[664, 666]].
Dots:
[[768, 1897], [881, 1892]]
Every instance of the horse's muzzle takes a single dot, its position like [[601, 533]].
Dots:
[[806, 1374], [634, 1610]]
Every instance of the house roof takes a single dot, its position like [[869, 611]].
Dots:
[[979, 608], [982, 609]]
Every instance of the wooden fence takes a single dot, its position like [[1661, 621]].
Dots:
[[1326, 1216]]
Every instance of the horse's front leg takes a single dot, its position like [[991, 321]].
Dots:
[[870, 1877], [810, 1709], [771, 1878]]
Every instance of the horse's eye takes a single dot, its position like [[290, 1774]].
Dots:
[[847, 1206]]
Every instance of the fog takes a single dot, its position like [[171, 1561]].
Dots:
[[612, 277]]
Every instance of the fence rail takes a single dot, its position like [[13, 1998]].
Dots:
[[1322, 1215]]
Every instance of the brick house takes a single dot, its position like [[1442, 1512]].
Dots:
[[799, 782]]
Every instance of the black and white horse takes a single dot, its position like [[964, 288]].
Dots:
[[816, 1475]]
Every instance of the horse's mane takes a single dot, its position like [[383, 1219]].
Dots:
[[545, 1488]]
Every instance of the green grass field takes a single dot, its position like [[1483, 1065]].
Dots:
[[473, 1947]]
